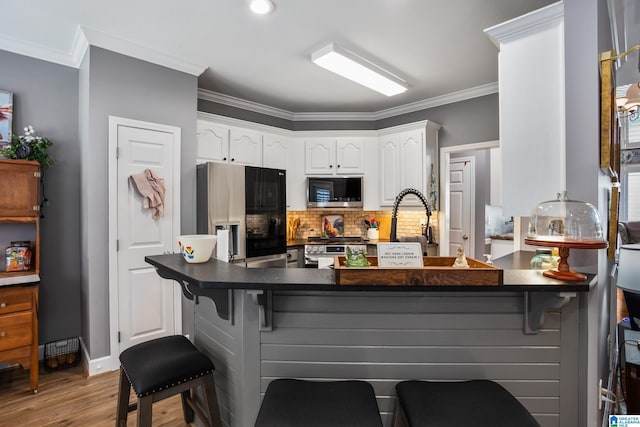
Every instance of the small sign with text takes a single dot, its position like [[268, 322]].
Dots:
[[624, 420], [400, 255]]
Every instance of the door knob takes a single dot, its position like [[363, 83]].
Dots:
[[465, 237]]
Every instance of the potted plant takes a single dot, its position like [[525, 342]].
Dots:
[[29, 147]]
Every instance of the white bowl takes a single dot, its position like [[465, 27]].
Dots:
[[196, 248]]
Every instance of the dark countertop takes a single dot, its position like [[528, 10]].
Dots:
[[216, 274]]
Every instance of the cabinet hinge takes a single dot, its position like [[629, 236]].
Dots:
[[118, 336], [117, 152], [36, 208], [37, 174], [117, 245]]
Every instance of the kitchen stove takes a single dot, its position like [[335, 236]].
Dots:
[[319, 252]]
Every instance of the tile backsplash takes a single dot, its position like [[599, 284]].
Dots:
[[408, 222]]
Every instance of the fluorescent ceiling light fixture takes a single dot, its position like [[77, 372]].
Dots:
[[261, 7], [354, 67]]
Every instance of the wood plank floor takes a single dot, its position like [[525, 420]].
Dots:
[[68, 398]]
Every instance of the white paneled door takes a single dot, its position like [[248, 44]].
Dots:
[[147, 306], [460, 229]]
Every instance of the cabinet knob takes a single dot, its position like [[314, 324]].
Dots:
[[3, 304], [224, 158], [233, 160], [3, 333], [330, 166], [338, 165]]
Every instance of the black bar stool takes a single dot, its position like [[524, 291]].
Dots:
[[161, 368], [480, 403], [296, 403]]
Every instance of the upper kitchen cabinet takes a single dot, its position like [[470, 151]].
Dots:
[[281, 152], [225, 144], [329, 156], [245, 147], [213, 142], [408, 159], [531, 73]]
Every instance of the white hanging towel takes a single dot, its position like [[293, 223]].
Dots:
[[151, 188]]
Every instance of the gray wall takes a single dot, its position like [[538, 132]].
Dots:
[[117, 85], [46, 97]]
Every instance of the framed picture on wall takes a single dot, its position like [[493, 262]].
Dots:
[[6, 115]]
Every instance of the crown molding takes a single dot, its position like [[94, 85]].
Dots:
[[231, 121], [85, 37], [232, 101], [461, 95], [125, 47], [35, 50], [531, 22], [80, 47], [458, 96]]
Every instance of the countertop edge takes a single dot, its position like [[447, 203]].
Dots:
[[216, 274]]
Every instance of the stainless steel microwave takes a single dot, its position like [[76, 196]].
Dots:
[[334, 192]]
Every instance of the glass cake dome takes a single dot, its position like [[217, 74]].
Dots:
[[565, 224], [565, 221]]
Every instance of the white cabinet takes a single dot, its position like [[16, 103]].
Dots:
[[531, 73], [275, 151], [329, 156], [495, 176], [281, 152], [213, 142], [407, 155], [245, 147], [225, 144]]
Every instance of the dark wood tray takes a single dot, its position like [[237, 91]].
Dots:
[[436, 271]]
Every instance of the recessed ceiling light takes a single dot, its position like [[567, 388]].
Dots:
[[262, 7], [358, 69]]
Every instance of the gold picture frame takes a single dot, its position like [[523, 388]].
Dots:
[[609, 134]]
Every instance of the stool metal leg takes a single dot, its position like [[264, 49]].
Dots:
[[123, 400], [144, 411]]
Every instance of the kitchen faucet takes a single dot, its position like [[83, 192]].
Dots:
[[399, 197]]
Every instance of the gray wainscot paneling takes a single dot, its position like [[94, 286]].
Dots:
[[385, 338]]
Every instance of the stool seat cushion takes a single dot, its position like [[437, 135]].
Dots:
[[162, 363], [290, 402], [481, 403]]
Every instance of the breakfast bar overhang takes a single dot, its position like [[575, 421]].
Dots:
[[262, 324]]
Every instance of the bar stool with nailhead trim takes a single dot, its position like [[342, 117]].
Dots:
[[291, 402], [161, 368], [480, 403]]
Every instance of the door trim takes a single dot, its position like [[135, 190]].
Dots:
[[444, 220], [114, 326]]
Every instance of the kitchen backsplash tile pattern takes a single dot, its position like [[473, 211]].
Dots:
[[408, 222]]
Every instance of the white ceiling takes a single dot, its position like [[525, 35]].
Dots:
[[437, 46]]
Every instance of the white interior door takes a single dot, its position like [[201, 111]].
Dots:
[[460, 226], [147, 305]]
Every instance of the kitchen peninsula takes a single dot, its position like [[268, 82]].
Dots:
[[261, 324]]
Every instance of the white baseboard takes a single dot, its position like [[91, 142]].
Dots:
[[95, 366]]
